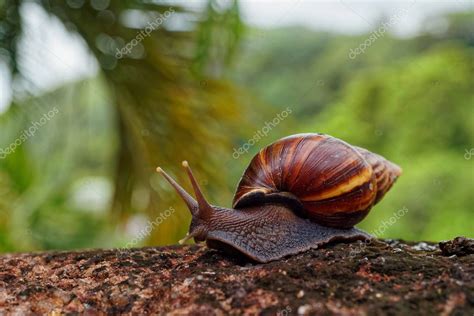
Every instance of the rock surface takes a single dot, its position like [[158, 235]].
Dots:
[[378, 278]]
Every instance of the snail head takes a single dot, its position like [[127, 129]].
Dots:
[[200, 209]]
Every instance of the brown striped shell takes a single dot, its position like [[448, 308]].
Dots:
[[319, 176]]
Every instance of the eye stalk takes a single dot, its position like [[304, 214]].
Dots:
[[201, 210], [205, 209], [188, 199]]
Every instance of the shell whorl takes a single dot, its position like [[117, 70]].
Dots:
[[321, 177]]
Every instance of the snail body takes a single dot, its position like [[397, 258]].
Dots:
[[300, 192]]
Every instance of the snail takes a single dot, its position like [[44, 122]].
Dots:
[[300, 192]]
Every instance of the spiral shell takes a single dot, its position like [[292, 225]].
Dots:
[[319, 176]]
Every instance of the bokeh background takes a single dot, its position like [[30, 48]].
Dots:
[[393, 77]]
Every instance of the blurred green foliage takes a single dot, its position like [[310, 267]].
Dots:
[[425, 125], [86, 178], [410, 100]]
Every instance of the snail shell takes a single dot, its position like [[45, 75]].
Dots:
[[321, 177]]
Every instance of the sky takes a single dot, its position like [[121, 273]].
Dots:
[[346, 16], [52, 57]]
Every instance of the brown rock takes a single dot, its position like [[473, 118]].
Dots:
[[459, 246], [380, 277]]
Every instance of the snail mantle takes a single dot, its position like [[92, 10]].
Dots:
[[380, 277]]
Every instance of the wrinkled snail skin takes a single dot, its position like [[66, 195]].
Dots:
[[271, 233], [300, 192]]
